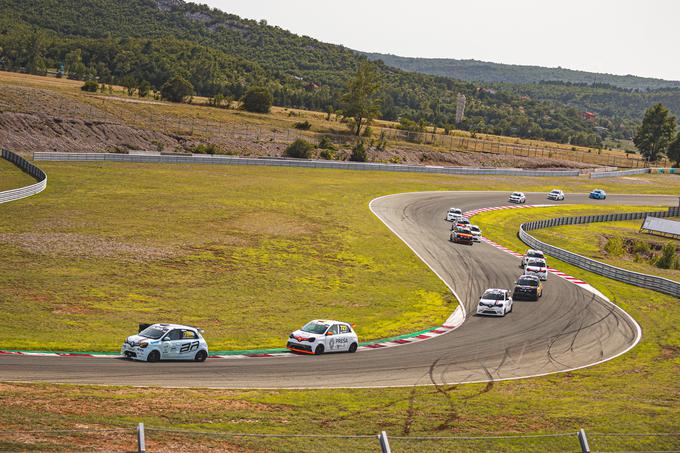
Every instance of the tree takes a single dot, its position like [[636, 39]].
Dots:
[[655, 133], [177, 89], [144, 88], [258, 100], [300, 149], [361, 100], [90, 86], [130, 84], [358, 153], [674, 151]]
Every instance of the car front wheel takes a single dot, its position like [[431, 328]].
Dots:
[[154, 356], [201, 356], [319, 350]]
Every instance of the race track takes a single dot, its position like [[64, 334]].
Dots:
[[567, 329]]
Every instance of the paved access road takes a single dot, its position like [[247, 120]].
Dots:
[[568, 328]]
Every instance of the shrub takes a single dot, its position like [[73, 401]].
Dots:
[[326, 143], [303, 125], [90, 86], [258, 100], [327, 154], [614, 246], [209, 148], [144, 88], [641, 246], [300, 149], [668, 258], [177, 89], [358, 153]]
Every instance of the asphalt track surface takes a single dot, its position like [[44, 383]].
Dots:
[[569, 328]]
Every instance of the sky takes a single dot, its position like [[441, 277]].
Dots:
[[612, 36]]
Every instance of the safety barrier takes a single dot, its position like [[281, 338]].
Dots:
[[26, 166], [652, 282], [303, 163], [613, 174]]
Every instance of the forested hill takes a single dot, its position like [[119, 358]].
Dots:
[[484, 71], [119, 41]]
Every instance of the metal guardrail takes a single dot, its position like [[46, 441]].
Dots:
[[652, 282], [613, 174], [26, 166], [303, 163]]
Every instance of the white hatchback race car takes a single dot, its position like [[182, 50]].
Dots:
[[537, 267], [495, 302], [517, 197], [454, 214], [556, 194], [476, 233], [531, 253], [166, 342], [319, 336]]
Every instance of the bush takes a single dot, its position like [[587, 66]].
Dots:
[[614, 246], [258, 100], [327, 143], [90, 86], [144, 88], [209, 148], [300, 149], [327, 154], [303, 125], [177, 89], [668, 258], [358, 153]]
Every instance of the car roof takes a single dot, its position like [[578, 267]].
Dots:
[[496, 290], [329, 321], [530, 277], [556, 190], [534, 251], [173, 326]]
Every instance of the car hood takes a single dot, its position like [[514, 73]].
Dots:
[[136, 339], [489, 301], [299, 334]]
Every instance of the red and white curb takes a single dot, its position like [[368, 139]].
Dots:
[[552, 270]]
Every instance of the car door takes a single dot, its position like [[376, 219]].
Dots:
[[170, 344], [345, 337], [332, 337], [188, 344]]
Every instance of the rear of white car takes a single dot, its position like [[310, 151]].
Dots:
[[531, 253], [454, 214], [495, 302], [537, 267], [166, 342], [322, 336], [517, 197]]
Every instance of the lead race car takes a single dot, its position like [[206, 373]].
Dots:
[[166, 342], [495, 302], [320, 336]]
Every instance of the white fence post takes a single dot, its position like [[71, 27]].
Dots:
[[141, 442], [384, 442]]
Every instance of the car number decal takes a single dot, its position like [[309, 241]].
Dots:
[[186, 347]]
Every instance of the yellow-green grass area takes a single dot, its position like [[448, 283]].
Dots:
[[590, 240], [635, 393], [247, 253], [11, 177]]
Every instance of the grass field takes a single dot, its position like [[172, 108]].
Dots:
[[11, 177], [635, 393], [590, 240], [247, 253]]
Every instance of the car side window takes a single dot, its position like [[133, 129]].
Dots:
[[189, 335], [344, 329], [175, 334], [334, 329]]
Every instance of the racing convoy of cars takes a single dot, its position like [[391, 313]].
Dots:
[[321, 336]]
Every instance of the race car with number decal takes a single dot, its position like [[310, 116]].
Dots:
[[517, 197], [453, 214], [495, 302], [537, 267], [320, 336], [476, 233], [531, 253], [166, 342], [461, 235]]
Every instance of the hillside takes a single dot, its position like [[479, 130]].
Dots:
[[116, 41], [484, 71]]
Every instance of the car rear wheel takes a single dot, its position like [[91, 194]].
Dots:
[[319, 350], [353, 347], [154, 356], [201, 356]]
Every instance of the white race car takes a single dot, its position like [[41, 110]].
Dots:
[[496, 302], [454, 214], [531, 253], [476, 233], [517, 197], [320, 336], [537, 267], [556, 194], [166, 342]]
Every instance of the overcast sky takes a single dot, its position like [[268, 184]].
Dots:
[[615, 36]]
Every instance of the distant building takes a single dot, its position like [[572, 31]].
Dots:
[[460, 108]]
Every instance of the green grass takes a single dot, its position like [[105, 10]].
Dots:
[[637, 392], [11, 177], [247, 253], [590, 239]]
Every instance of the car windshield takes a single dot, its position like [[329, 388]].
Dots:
[[516, 194], [555, 192], [464, 231], [527, 282], [493, 295], [154, 333], [475, 229], [537, 263], [535, 255], [315, 327]]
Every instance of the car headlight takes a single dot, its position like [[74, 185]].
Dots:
[[143, 345]]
